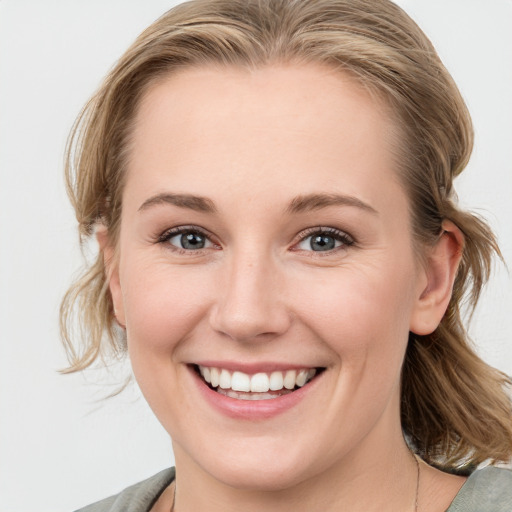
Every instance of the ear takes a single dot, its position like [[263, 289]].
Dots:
[[440, 269], [112, 271]]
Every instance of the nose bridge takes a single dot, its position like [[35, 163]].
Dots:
[[249, 303]]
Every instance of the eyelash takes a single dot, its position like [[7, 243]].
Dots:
[[171, 233], [340, 236]]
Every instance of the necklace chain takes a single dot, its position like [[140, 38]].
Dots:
[[415, 498], [417, 483]]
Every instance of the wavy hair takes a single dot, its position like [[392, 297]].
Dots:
[[455, 408]]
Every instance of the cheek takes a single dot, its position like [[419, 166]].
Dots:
[[361, 312], [162, 304], [363, 316]]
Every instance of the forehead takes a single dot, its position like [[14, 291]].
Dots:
[[291, 128]]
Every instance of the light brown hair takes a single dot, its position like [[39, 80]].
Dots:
[[455, 408]]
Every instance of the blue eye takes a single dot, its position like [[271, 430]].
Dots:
[[186, 239], [323, 240]]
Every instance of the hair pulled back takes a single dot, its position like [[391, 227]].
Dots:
[[454, 406]]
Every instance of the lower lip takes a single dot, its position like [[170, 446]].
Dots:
[[252, 409]]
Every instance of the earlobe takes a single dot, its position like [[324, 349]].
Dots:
[[440, 270], [112, 273]]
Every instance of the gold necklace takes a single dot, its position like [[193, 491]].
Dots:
[[417, 484], [415, 498]]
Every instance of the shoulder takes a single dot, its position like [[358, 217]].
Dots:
[[486, 490], [139, 497]]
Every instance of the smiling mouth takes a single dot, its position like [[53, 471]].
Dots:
[[259, 386]]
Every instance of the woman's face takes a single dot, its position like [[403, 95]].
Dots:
[[264, 232]]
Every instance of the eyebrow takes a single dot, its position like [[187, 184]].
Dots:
[[299, 204], [311, 202], [197, 203]]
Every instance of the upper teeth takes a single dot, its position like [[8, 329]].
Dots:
[[257, 383]]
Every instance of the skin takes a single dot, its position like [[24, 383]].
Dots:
[[250, 142]]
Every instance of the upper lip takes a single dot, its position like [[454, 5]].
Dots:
[[252, 368]]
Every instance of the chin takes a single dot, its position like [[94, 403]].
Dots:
[[262, 477], [263, 465]]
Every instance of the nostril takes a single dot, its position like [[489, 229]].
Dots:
[[248, 308]]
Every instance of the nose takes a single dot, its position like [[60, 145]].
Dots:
[[250, 304]]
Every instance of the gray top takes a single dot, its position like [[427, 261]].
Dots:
[[136, 498], [486, 490]]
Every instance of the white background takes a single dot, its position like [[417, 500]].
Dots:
[[60, 445]]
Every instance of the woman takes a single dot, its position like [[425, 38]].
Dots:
[[281, 254]]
